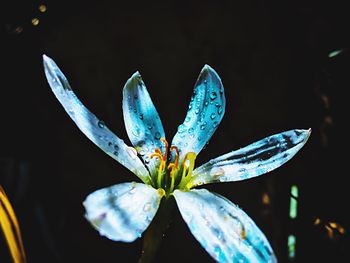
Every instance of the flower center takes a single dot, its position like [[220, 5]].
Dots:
[[171, 174]]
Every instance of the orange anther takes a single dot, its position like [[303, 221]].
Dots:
[[156, 155]]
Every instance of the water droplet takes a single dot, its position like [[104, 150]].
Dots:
[[115, 153], [190, 106], [157, 135], [205, 81], [116, 147], [216, 172], [147, 207], [219, 110], [101, 124], [215, 124], [212, 116], [187, 119], [181, 128], [192, 98], [136, 131], [206, 103], [132, 190], [135, 97], [132, 152], [199, 139], [213, 95], [110, 144], [141, 116], [196, 111], [202, 127], [149, 127], [190, 130]]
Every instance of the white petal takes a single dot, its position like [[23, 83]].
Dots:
[[90, 125], [253, 160], [142, 120], [205, 112], [123, 211], [225, 231]]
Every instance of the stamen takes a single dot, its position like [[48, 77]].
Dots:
[[156, 155], [188, 165]]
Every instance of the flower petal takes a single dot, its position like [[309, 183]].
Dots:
[[253, 160], [141, 118], [225, 231], [90, 125], [123, 211], [204, 114]]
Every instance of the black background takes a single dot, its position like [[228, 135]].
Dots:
[[272, 57]]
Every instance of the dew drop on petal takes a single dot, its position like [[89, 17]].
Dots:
[[101, 124], [213, 95], [132, 152], [147, 207], [217, 172], [212, 116], [141, 116], [181, 128], [187, 119], [190, 130], [157, 135], [132, 190], [219, 110]]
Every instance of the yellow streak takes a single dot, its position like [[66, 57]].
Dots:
[[10, 227]]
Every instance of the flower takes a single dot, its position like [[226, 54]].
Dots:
[[123, 212]]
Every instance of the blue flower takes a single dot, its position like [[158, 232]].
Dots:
[[123, 212]]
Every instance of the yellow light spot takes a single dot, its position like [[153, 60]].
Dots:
[[333, 225], [337, 226], [329, 232], [317, 221], [35, 21], [42, 8], [265, 199]]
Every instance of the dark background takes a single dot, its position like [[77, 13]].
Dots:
[[272, 57]]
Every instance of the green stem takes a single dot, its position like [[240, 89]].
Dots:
[[153, 236]]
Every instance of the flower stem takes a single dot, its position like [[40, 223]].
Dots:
[[153, 236]]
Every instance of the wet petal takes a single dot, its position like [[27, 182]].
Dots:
[[225, 231], [253, 160], [123, 211], [141, 118], [205, 112], [90, 125]]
